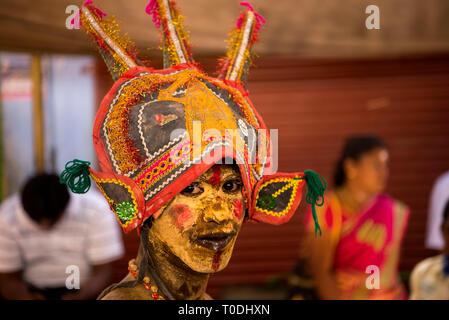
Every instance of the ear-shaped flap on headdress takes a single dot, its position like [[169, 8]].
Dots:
[[118, 52], [276, 197], [125, 198], [235, 66]]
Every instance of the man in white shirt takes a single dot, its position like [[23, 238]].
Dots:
[[430, 278], [49, 238]]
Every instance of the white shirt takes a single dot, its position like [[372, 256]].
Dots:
[[438, 199], [427, 281], [87, 234]]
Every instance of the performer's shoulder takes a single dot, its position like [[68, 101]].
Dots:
[[116, 294], [206, 296], [122, 293], [126, 293]]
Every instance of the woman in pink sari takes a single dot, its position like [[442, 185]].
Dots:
[[357, 255]]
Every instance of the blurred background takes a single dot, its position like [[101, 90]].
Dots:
[[321, 75]]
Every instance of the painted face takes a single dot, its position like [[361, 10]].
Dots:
[[200, 225]]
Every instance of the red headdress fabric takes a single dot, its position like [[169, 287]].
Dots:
[[156, 131]]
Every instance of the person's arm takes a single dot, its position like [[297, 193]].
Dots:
[[319, 265], [92, 287], [319, 250], [12, 287]]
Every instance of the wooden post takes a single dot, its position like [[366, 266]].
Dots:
[[38, 116]]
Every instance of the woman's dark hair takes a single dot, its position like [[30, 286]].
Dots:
[[43, 196], [354, 148]]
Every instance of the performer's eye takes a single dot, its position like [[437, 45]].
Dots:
[[192, 190], [232, 186]]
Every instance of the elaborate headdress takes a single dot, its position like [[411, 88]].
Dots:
[[156, 131]]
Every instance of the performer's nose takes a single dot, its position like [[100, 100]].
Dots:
[[216, 212]]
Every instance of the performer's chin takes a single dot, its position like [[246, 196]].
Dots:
[[211, 260]]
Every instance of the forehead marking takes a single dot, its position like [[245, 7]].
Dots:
[[215, 178]]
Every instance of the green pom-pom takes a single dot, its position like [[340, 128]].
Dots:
[[76, 176], [125, 211], [266, 201]]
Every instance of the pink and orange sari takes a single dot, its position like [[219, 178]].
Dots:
[[363, 242]]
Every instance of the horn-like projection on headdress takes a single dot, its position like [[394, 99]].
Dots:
[[176, 47], [118, 52], [236, 65]]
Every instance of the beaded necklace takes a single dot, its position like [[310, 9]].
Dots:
[[132, 268]]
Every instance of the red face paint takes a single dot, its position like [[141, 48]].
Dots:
[[238, 206], [215, 179], [216, 261], [181, 214]]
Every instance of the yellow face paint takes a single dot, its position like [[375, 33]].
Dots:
[[201, 224]]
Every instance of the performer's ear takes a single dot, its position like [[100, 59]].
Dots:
[[118, 52], [176, 47], [235, 66], [125, 198]]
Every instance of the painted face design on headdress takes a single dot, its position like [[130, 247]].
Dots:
[[156, 131]]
